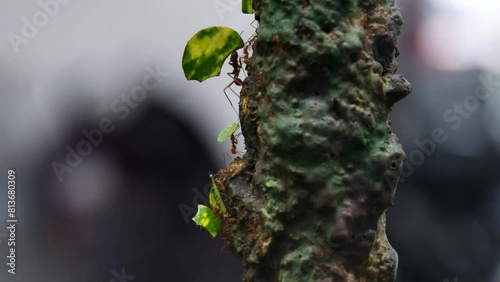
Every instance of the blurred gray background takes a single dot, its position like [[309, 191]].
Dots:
[[120, 210]]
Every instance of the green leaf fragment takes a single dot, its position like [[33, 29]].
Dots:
[[208, 220], [207, 50], [226, 132], [215, 197], [246, 7]]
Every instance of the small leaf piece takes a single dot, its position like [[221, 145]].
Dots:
[[208, 220], [207, 50], [226, 132], [246, 7], [214, 196]]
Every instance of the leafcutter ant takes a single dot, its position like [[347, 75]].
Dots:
[[236, 64], [234, 141], [229, 132], [246, 54], [219, 206], [233, 150], [252, 24]]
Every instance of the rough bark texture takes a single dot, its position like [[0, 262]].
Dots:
[[322, 162]]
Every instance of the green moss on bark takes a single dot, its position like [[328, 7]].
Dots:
[[322, 162]]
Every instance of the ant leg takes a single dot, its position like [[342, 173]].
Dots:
[[236, 81], [239, 153], [241, 64], [251, 24], [223, 247], [234, 92], [228, 157], [227, 97], [219, 174]]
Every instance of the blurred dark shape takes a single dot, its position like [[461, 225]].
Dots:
[[154, 161], [446, 221]]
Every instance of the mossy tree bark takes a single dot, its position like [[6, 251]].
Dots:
[[322, 163]]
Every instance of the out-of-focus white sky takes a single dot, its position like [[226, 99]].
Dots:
[[99, 47], [457, 34]]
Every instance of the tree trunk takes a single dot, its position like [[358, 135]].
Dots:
[[322, 162]]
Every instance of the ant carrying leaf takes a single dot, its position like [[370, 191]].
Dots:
[[210, 217], [214, 197], [206, 218], [207, 50], [227, 132]]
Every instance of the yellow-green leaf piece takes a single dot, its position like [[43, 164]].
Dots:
[[246, 7], [226, 132], [215, 197], [208, 220], [207, 50]]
